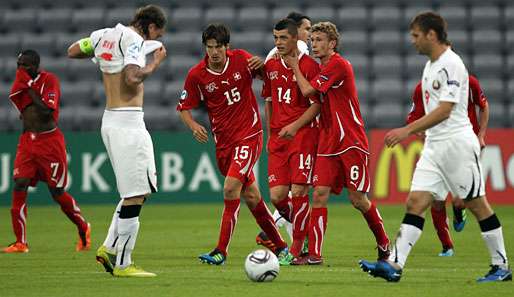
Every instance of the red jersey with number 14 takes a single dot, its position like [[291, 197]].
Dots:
[[228, 96], [341, 124], [288, 103]]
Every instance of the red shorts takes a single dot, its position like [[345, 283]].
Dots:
[[42, 157], [349, 170], [291, 161], [238, 160]]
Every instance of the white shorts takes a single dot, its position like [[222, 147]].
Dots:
[[450, 165], [130, 150]]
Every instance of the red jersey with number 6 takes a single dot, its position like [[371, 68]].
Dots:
[[228, 96]]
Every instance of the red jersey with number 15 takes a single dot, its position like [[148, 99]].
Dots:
[[228, 96], [341, 124], [288, 103]]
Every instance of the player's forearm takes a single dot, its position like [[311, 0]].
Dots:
[[267, 115], [484, 119], [36, 100], [304, 85], [187, 119], [308, 116], [441, 113], [75, 52], [136, 75]]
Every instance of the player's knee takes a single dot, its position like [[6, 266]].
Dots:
[[418, 202], [359, 201], [299, 190], [56, 192], [320, 198], [231, 192], [21, 184]]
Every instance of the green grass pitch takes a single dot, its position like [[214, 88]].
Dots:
[[173, 235]]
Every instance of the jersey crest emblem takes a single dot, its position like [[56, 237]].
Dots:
[[436, 84], [211, 87]]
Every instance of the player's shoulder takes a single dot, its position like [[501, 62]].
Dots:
[[240, 53], [473, 81], [308, 60], [49, 76]]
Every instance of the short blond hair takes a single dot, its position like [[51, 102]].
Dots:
[[328, 28]]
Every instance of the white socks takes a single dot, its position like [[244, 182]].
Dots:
[[407, 237], [127, 230], [494, 241], [112, 234], [281, 222]]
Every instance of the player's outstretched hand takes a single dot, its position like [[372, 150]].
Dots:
[[396, 136], [255, 63], [200, 133], [159, 54], [291, 60]]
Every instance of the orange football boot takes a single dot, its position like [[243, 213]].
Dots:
[[84, 243], [16, 247]]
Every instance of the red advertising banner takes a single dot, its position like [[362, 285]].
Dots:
[[392, 168]]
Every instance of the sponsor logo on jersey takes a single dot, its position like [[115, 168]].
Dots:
[[273, 75], [272, 178]]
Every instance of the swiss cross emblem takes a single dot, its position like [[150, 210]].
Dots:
[[273, 75], [237, 76], [211, 87]]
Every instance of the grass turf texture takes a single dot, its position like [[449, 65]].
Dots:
[[172, 236]]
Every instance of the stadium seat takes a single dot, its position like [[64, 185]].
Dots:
[[493, 88], [217, 14], [89, 118], [76, 94], [83, 70], [54, 20], [13, 120], [9, 69], [487, 65], [388, 90], [485, 17], [121, 15], [460, 40], [180, 65], [353, 42], [20, 20], [487, 41], [414, 64], [153, 91], [42, 43], [183, 43], [281, 12], [456, 16], [159, 118], [68, 118], [497, 114], [510, 65], [387, 66], [253, 18], [352, 17], [386, 41], [411, 10], [5, 89], [509, 40], [360, 64], [186, 19], [363, 92], [171, 93], [11, 45], [386, 17], [321, 13], [388, 114], [509, 16], [510, 90], [88, 19], [366, 116], [58, 66], [251, 41]]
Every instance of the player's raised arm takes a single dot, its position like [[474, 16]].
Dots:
[[303, 83], [81, 49]]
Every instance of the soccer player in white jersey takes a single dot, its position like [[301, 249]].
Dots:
[[450, 157], [303, 24], [120, 53]]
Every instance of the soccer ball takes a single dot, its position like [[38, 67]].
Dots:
[[262, 266]]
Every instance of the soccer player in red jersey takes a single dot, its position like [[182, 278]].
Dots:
[[342, 156], [438, 210], [223, 82], [41, 152], [293, 133]]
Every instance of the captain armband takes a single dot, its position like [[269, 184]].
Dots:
[[86, 46]]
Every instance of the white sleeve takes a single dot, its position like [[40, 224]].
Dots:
[[302, 47], [270, 54], [133, 50], [451, 78], [96, 35]]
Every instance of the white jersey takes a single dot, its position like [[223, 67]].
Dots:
[[446, 80], [118, 47], [302, 47]]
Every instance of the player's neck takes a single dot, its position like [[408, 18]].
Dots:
[[217, 67], [437, 51], [326, 58]]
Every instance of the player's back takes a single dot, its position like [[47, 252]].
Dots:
[[115, 48], [228, 96]]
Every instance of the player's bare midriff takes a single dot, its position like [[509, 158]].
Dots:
[[119, 94], [36, 121]]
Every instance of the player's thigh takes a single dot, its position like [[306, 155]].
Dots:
[[355, 171], [328, 172], [243, 156], [429, 178], [52, 160], [302, 156], [278, 166]]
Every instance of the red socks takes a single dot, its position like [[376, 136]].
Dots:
[[228, 224], [267, 224], [300, 220], [376, 225], [441, 226], [317, 228], [72, 211], [19, 215]]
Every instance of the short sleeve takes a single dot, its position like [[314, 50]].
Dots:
[[191, 95], [266, 86], [96, 36], [477, 94], [49, 90], [451, 79], [417, 110], [133, 50], [329, 75]]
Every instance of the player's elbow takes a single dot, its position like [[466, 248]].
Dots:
[[74, 51]]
